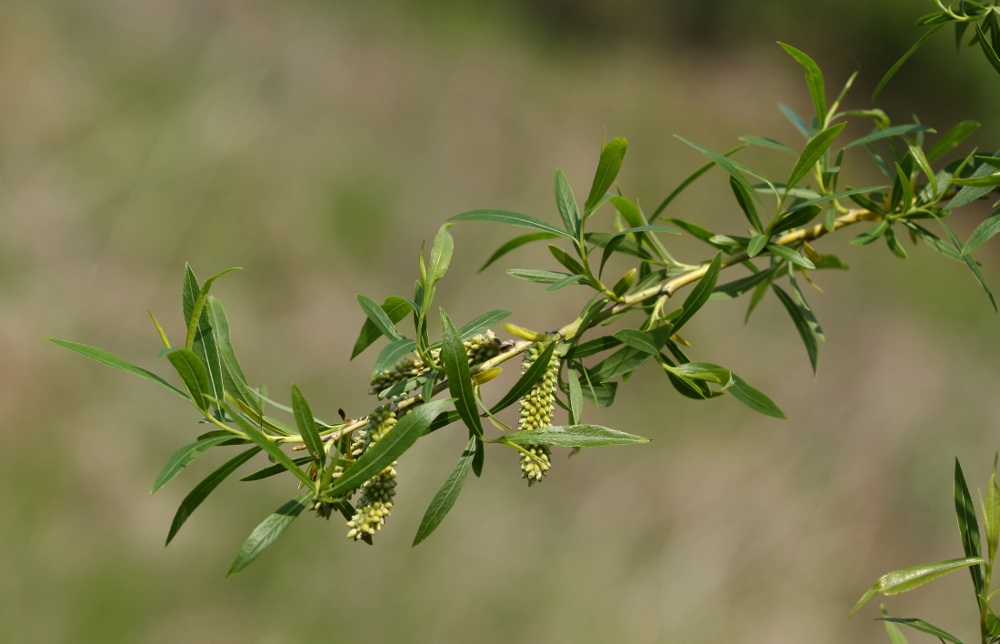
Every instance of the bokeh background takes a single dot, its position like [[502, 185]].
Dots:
[[315, 144]]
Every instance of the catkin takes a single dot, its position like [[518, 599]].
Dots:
[[536, 412], [478, 349], [375, 501]]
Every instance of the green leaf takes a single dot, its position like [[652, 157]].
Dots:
[[568, 262], [968, 527], [734, 169], [307, 426], [274, 470], [268, 531], [694, 176], [951, 139], [639, 340], [192, 372], [445, 498], [924, 627], [264, 442], [812, 153], [899, 63], [194, 320], [754, 399], [390, 447], [791, 255], [378, 317], [987, 47], [591, 347], [736, 288], [607, 170], [895, 130], [797, 122], [395, 308], [456, 366], [757, 243], [814, 80], [206, 487], [392, 352], [895, 635], [482, 322], [235, 382], [573, 436], [802, 324], [988, 181], [704, 371], [838, 195], [619, 363], [991, 513], [575, 397], [566, 202], [934, 241], [441, 252], [765, 142], [744, 197], [537, 276], [700, 293], [569, 280], [511, 219], [517, 242], [183, 457], [901, 581], [872, 234], [111, 360], [527, 380], [796, 218], [968, 194]]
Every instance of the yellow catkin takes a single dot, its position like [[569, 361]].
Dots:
[[478, 349], [377, 492], [536, 412]]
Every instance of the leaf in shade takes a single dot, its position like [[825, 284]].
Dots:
[[987, 47], [390, 447], [924, 627], [183, 457], [111, 360], [191, 370], [378, 317], [307, 426], [395, 308], [591, 347], [566, 202], [754, 399], [812, 153], [796, 218], [872, 234], [445, 498], [802, 324], [268, 531], [968, 527], [573, 436], [901, 581], [899, 63], [607, 170], [744, 197], [527, 380], [951, 139], [274, 470], [511, 219], [700, 293], [264, 442], [736, 288], [814, 80], [206, 487], [456, 366]]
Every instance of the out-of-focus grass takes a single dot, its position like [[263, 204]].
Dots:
[[315, 145]]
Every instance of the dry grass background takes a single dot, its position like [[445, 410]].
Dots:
[[315, 145]]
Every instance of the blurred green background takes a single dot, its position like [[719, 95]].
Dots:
[[315, 144]]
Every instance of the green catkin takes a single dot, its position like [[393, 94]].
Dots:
[[375, 501], [536, 412], [478, 349]]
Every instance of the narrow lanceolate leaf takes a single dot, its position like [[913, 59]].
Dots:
[[537, 276], [194, 321], [991, 513], [273, 470], [837, 195], [736, 288], [814, 80], [607, 171], [901, 581], [951, 139], [573, 436], [192, 372], [390, 447], [517, 242], [456, 366], [757, 243], [987, 47], [183, 457], [268, 531], [566, 202], [111, 360], [392, 352], [441, 252], [744, 197], [766, 142], [895, 635], [262, 441], [983, 233], [968, 527], [791, 255], [445, 498], [899, 63], [482, 322], [639, 340], [235, 382], [378, 317], [885, 133], [206, 487], [754, 399], [797, 121], [694, 176], [802, 324], [700, 293], [704, 372], [307, 426], [872, 234], [511, 219], [812, 153], [395, 308], [734, 169], [968, 194], [526, 381], [924, 627], [575, 397]]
